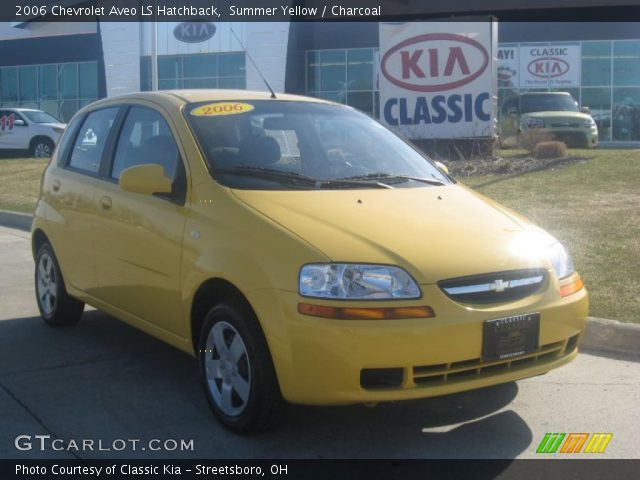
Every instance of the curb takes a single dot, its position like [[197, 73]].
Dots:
[[612, 337], [601, 335], [21, 221]]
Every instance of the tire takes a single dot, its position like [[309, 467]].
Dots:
[[57, 308], [41, 148], [241, 388]]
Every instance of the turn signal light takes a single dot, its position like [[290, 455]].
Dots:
[[576, 285], [355, 313]]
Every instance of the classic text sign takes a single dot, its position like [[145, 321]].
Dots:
[[436, 79]]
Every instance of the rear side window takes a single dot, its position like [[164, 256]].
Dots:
[[91, 139], [145, 138]]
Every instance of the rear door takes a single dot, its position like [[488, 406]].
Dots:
[[138, 236], [70, 198]]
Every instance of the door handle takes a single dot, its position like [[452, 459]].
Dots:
[[105, 202], [55, 186]]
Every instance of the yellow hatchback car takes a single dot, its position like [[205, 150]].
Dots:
[[302, 251]]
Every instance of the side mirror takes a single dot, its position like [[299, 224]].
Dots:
[[585, 110], [442, 167], [148, 178], [18, 122]]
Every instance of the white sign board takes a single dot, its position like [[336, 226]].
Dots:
[[508, 66], [436, 79], [550, 65]]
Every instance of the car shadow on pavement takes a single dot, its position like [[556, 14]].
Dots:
[[105, 380]]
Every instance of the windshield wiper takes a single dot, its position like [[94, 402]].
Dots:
[[281, 176], [297, 179], [390, 176]]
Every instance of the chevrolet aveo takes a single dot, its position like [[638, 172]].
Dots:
[[303, 252]]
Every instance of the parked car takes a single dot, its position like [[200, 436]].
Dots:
[[556, 113], [301, 250], [28, 129]]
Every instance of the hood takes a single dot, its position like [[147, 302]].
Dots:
[[557, 115], [53, 125], [434, 233]]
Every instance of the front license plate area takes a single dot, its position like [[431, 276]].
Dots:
[[509, 337]]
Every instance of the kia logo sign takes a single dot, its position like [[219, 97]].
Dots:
[[548, 67], [434, 62], [194, 32]]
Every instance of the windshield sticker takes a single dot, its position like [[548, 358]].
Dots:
[[221, 108]]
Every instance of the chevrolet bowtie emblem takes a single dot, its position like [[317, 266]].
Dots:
[[500, 285]]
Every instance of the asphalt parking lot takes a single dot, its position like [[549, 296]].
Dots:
[[104, 380]]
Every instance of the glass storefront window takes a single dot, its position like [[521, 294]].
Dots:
[[200, 70], [360, 69], [596, 49], [68, 80], [88, 80], [625, 116], [596, 71], [28, 84], [58, 89], [626, 63], [599, 102], [8, 85], [48, 82], [200, 66], [345, 76], [332, 70]]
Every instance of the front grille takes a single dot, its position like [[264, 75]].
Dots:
[[476, 368], [464, 370], [499, 287]]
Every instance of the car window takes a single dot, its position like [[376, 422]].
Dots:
[[313, 140], [145, 138], [91, 139]]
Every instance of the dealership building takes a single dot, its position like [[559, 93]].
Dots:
[[60, 67]]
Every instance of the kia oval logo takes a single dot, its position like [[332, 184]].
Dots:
[[435, 62], [548, 67], [194, 32]]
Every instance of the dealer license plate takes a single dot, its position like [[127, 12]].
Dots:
[[509, 337]]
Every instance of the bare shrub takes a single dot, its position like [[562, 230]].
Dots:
[[529, 139], [552, 149]]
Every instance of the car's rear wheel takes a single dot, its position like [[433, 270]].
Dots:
[[56, 307], [42, 148], [237, 371]]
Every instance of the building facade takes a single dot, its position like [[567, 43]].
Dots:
[[60, 67]]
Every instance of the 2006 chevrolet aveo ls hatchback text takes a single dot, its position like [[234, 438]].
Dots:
[[303, 252]]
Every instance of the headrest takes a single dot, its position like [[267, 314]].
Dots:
[[258, 151]]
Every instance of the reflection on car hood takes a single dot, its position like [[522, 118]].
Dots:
[[571, 115], [433, 232], [53, 125]]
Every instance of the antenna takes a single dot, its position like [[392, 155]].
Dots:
[[273, 94]]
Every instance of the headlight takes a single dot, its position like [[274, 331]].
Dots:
[[535, 122], [589, 123], [356, 281], [560, 259]]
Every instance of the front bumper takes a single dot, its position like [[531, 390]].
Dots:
[[576, 137], [320, 361]]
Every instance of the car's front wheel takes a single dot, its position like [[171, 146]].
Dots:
[[56, 307], [237, 371], [42, 148]]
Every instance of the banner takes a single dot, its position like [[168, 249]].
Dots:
[[437, 79], [549, 65]]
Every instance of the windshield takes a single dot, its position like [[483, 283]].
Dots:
[[303, 145], [37, 116], [548, 103]]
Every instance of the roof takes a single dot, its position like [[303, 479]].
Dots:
[[177, 98], [545, 93]]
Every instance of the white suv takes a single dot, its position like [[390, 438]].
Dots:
[[29, 129]]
